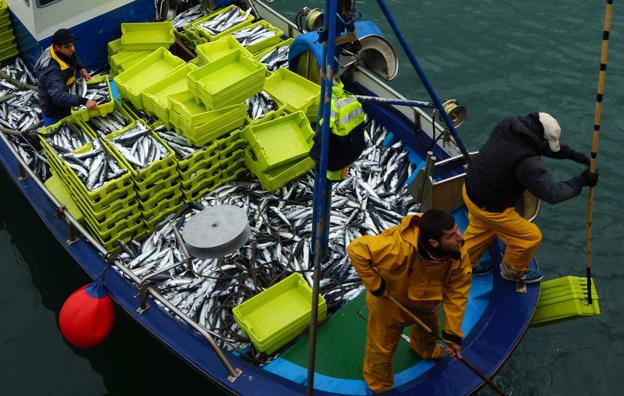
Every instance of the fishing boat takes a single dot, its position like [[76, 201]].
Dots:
[[432, 159]]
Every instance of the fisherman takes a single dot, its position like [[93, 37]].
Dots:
[[507, 164], [56, 71], [346, 141], [422, 264]]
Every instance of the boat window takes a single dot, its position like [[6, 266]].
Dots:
[[44, 3]]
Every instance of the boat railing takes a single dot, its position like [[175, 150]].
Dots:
[[76, 229]]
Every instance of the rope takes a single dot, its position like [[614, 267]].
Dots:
[[594, 153]]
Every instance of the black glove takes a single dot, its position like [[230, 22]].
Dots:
[[589, 179], [579, 157]]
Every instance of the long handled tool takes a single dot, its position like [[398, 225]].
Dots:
[[443, 343], [594, 153]]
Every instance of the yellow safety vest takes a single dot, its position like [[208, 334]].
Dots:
[[346, 112]]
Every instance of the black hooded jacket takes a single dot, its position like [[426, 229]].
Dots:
[[509, 162]]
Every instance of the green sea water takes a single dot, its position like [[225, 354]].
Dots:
[[496, 58]]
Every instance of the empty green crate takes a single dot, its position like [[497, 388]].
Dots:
[[280, 141], [156, 96], [113, 47], [122, 60], [224, 121], [213, 50], [142, 74], [260, 46], [228, 80], [188, 114], [294, 91], [277, 178], [146, 35], [278, 314]]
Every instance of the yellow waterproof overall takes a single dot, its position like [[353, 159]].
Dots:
[[521, 237], [421, 285]]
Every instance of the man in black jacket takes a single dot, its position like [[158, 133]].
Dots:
[[56, 71], [507, 164]]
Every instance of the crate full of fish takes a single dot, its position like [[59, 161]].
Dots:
[[275, 56], [262, 107], [146, 35], [222, 22], [142, 74], [226, 81], [295, 92], [258, 36], [98, 176], [213, 50], [189, 16], [118, 119], [63, 137], [150, 161], [97, 89], [155, 97]]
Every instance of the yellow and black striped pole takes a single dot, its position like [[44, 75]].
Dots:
[[594, 152]]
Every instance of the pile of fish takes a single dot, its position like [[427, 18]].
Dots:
[[94, 167], [98, 92], [281, 225], [259, 105], [179, 144], [67, 137], [19, 109], [224, 21], [277, 58], [139, 147], [110, 123], [253, 35], [20, 113], [188, 16]]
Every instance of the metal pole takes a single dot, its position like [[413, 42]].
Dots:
[[594, 153], [423, 78], [322, 189]]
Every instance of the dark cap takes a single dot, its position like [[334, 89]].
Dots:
[[63, 37]]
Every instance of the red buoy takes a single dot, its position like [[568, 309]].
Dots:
[[87, 316]]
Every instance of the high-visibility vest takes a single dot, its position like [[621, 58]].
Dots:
[[346, 112]]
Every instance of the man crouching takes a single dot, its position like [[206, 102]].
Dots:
[[421, 263]]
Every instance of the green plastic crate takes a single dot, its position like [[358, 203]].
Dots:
[[563, 299], [162, 212], [102, 109], [156, 96], [213, 50], [189, 114], [148, 193], [110, 240], [278, 314], [201, 188], [222, 121], [55, 185], [294, 91], [146, 35], [271, 115], [202, 156], [157, 171], [228, 80], [113, 47], [280, 141], [231, 138], [8, 52], [201, 32], [274, 179], [164, 198], [120, 59], [142, 74], [260, 46], [7, 37], [190, 179]]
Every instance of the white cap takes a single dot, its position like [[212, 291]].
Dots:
[[552, 130]]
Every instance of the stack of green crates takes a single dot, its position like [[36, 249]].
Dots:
[[157, 186], [212, 165], [228, 80], [296, 92], [280, 313], [200, 125], [141, 36], [278, 150], [141, 75], [155, 98], [213, 50], [8, 44], [109, 212]]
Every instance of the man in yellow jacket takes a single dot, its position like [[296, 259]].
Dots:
[[422, 264]]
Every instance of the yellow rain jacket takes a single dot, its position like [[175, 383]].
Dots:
[[421, 285]]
